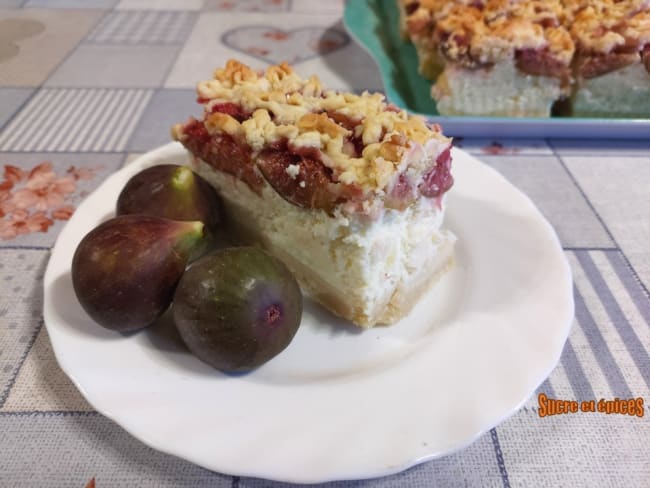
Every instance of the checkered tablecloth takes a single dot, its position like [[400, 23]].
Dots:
[[87, 85]]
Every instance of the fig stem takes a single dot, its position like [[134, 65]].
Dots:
[[195, 232], [182, 179]]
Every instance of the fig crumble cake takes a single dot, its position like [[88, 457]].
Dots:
[[347, 190], [519, 57]]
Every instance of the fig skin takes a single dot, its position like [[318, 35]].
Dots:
[[173, 192], [237, 308], [125, 271]]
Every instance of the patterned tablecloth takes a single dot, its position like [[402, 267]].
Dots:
[[87, 85]]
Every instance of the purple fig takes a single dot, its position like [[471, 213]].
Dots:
[[125, 271], [237, 308], [172, 192]]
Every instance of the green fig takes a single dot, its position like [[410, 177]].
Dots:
[[125, 271], [237, 308], [172, 192]]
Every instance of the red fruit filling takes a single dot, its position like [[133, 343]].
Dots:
[[222, 152], [314, 192], [232, 109], [412, 7], [600, 64], [354, 147], [434, 184], [196, 133], [314, 185], [540, 62], [438, 179]]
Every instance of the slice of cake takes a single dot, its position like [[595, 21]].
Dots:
[[612, 62], [346, 189], [492, 57]]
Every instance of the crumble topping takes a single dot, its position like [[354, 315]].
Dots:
[[360, 139], [605, 26], [478, 32]]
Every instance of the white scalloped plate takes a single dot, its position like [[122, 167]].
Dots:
[[339, 403]]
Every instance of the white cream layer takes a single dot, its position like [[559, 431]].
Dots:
[[352, 264]]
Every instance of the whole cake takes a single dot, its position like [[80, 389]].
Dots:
[[347, 190], [519, 57]]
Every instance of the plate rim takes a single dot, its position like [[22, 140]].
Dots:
[[143, 161]]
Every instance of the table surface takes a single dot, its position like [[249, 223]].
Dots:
[[72, 72]]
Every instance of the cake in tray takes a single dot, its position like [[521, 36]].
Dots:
[[520, 57], [612, 60], [348, 190]]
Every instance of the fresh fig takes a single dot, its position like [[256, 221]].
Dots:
[[237, 308], [172, 192], [125, 270]]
